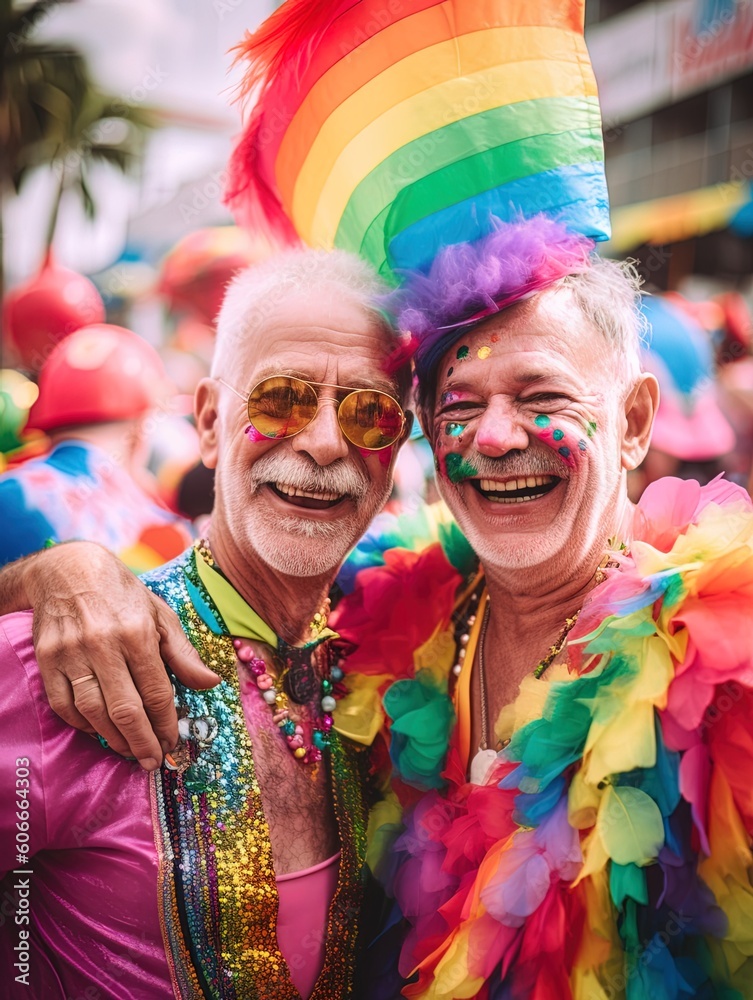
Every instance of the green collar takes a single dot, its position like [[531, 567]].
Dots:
[[238, 618]]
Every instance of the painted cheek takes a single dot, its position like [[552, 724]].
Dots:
[[458, 468], [570, 447], [447, 442], [384, 454], [448, 461], [255, 436]]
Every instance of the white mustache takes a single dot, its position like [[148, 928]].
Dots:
[[519, 464], [340, 477]]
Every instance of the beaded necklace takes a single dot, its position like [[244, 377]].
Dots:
[[290, 661], [538, 672], [216, 880], [277, 699]]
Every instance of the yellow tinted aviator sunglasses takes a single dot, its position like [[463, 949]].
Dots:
[[280, 406]]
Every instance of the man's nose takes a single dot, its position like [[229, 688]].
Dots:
[[500, 430], [323, 438]]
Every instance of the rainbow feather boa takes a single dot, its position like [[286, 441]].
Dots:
[[608, 853]]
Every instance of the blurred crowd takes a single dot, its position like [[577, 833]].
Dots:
[[96, 432]]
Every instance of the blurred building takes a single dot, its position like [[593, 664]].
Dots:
[[676, 86], [175, 58]]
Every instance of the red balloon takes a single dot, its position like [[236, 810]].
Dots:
[[99, 373], [46, 308], [196, 272]]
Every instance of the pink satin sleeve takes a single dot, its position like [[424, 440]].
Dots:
[[302, 920], [91, 878]]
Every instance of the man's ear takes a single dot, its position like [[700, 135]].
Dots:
[[205, 412], [407, 427], [641, 405], [425, 419]]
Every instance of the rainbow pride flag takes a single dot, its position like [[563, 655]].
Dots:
[[395, 128]]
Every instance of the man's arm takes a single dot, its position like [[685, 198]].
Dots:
[[93, 616]]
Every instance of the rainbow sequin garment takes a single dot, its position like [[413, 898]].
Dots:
[[217, 892], [608, 853]]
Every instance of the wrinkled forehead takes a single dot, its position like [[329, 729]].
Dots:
[[545, 336], [320, 336]]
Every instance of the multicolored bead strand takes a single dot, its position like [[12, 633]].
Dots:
[[277, 700]]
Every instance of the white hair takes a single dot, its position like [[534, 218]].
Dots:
[[254, 293], [608, 294]]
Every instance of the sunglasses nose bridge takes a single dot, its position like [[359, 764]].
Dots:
[[322, 435]]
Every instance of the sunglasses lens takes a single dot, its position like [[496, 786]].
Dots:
[[280, 406], [370, 419]]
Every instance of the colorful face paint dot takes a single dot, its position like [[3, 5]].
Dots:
[[542, 420], [483, 352], [253, 435], [454, 430], [564, 451], [458, 468], [450, 371], [494, 338], [591, 428], [462, 353], [582, 445], [558, 434]]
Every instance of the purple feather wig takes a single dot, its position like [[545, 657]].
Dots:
[[468, 282]]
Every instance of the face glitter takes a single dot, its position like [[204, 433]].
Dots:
[[458, 468], [384, 454], [454, 430], [448, 397], [255, 436], [542, 420]]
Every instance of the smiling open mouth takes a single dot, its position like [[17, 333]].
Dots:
[[517, 490], [305, 498]]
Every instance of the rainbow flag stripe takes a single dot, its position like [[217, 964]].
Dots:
[[392, 132]]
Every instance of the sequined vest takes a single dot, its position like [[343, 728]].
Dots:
[[216, 885]]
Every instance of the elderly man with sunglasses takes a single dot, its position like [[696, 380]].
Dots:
[[242, 859]]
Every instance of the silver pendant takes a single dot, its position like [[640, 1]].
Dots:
[[481, 765]]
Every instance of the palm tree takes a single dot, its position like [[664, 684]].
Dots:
[[53, 115]]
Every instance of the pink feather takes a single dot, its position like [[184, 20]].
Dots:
[[283, 44], [695, 774]]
